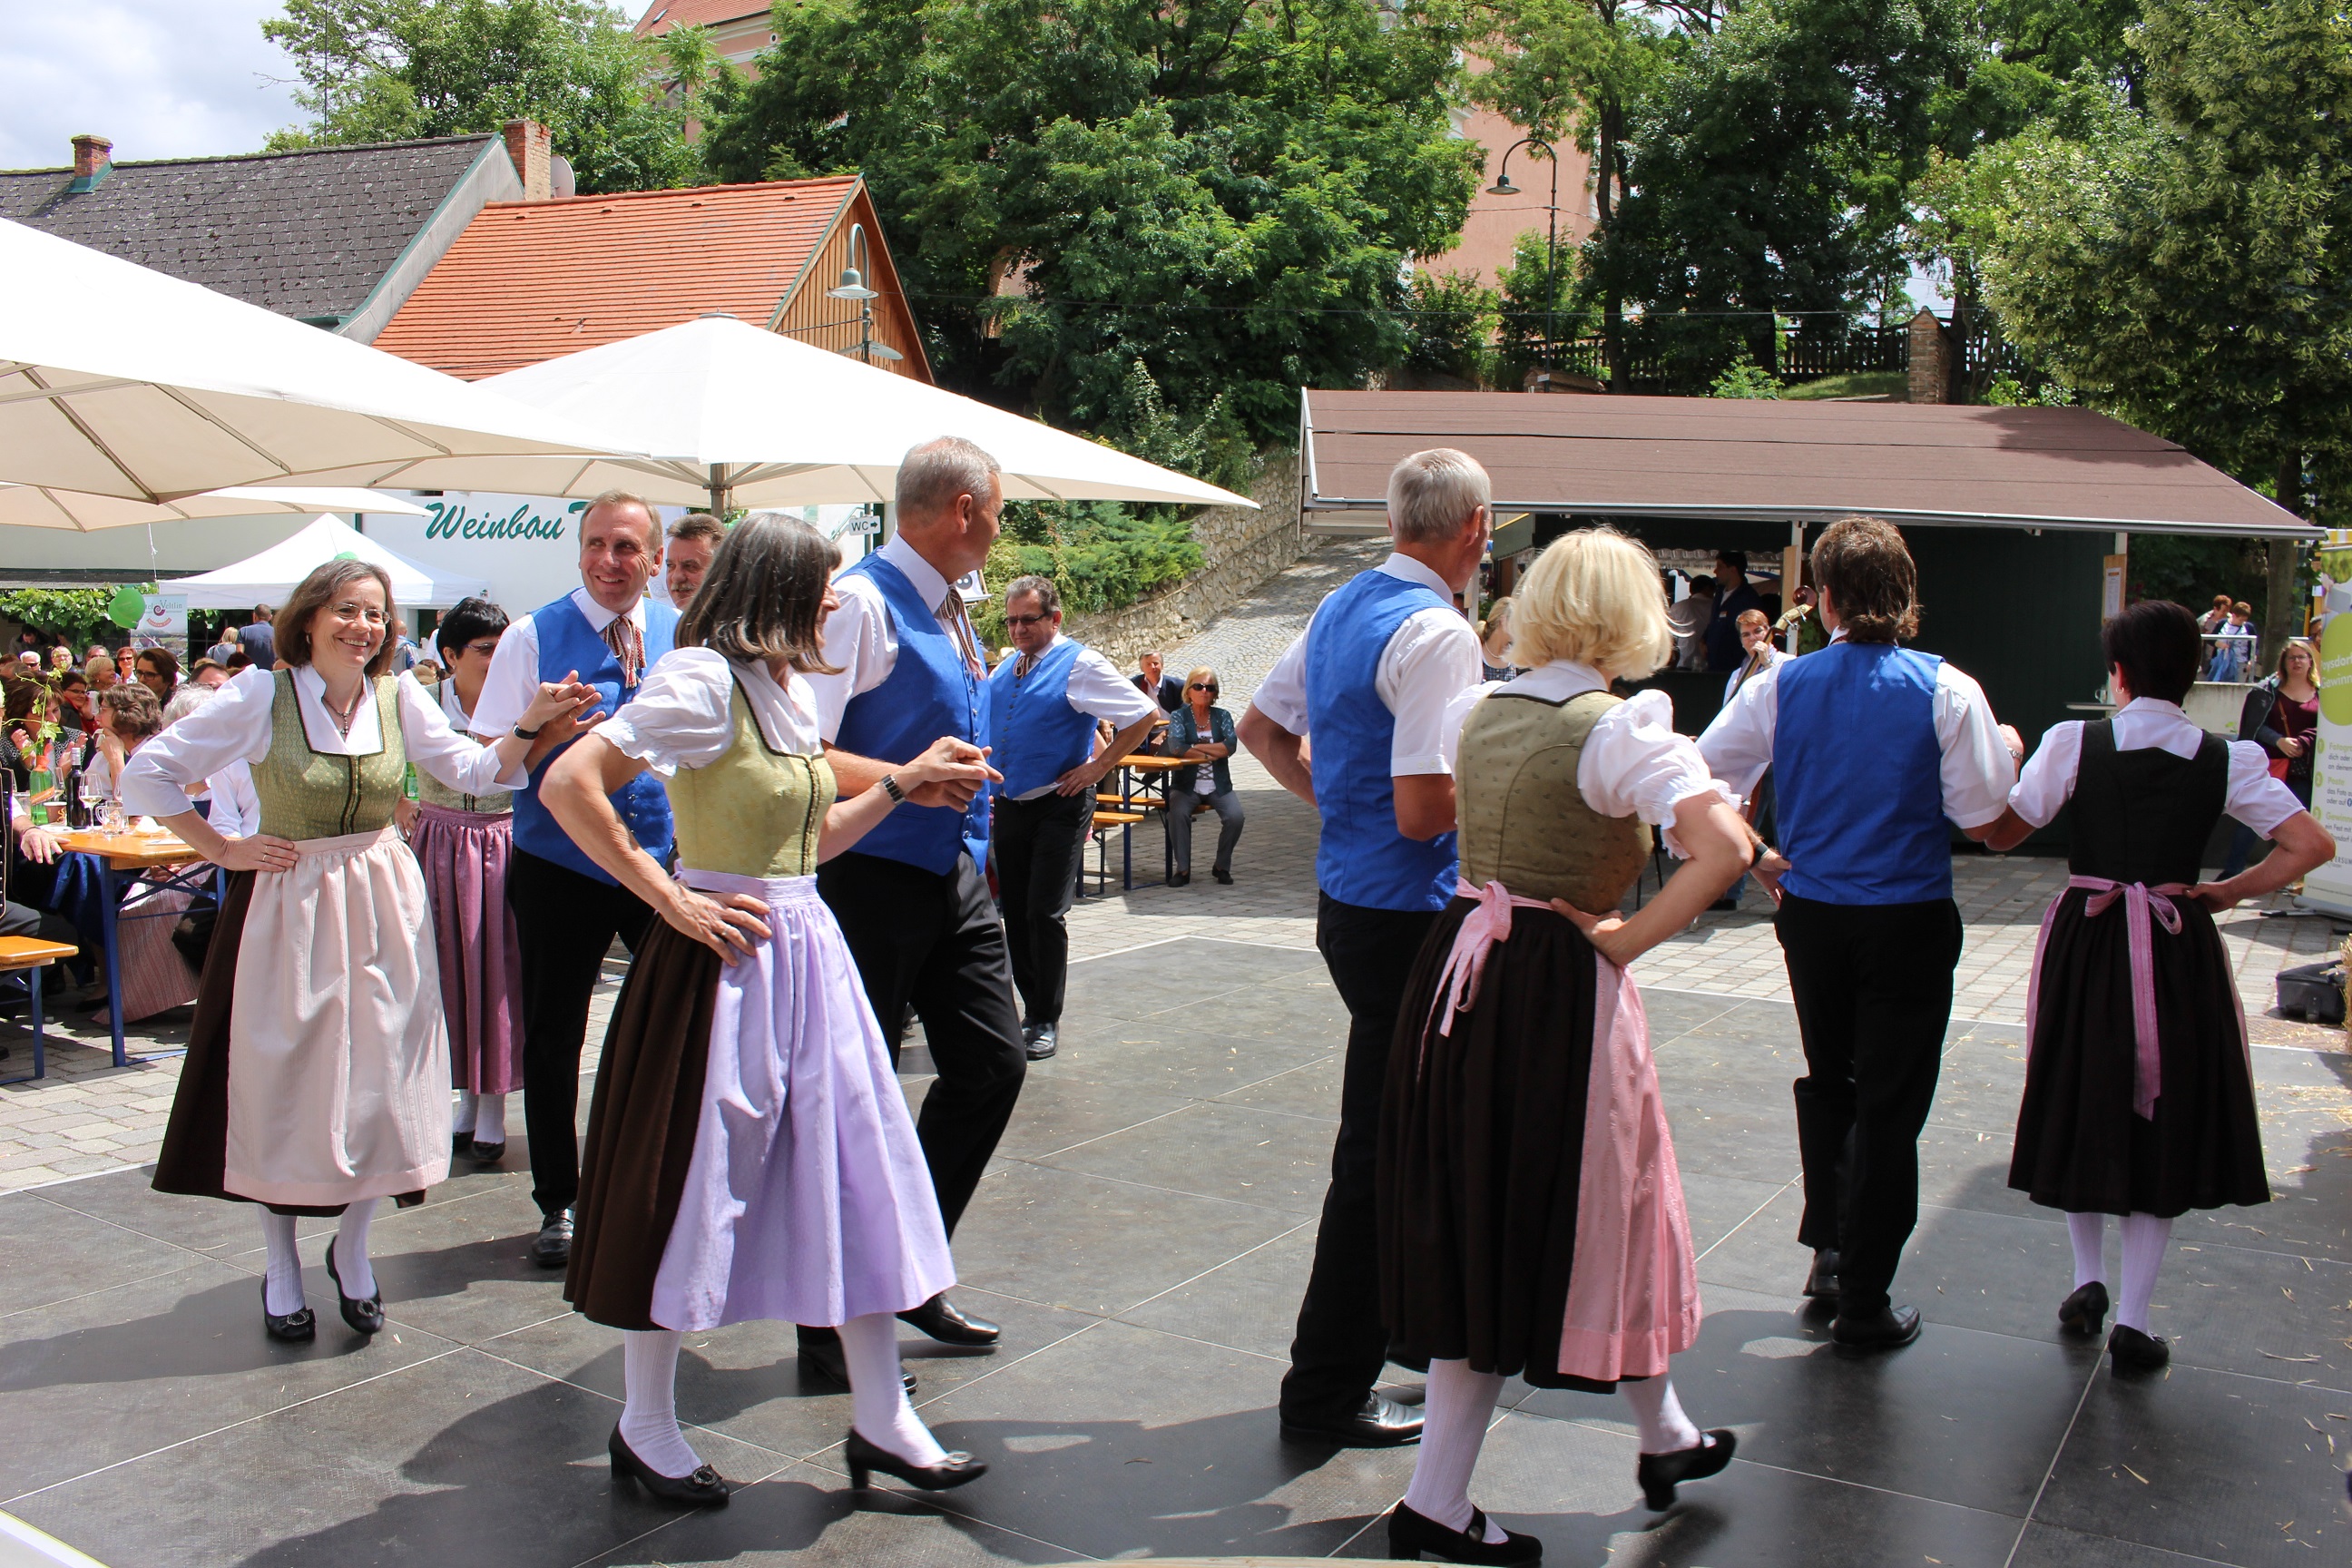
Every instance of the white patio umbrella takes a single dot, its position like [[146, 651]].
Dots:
[[271, 576], [34, 506], [116, 380], [738, 416]]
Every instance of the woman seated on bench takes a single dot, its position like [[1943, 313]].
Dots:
[[1204, 733]]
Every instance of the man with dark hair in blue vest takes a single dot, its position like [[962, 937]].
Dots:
[[567, 909], [1370, 682], [1874, 748], [912, 898], [1042, 705]]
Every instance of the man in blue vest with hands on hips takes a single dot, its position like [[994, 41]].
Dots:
[[1042, 705], [1874, 748], [567, 909], [911, 899], [1368, 682]]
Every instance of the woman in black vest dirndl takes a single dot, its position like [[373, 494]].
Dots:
[[2139, 1094]]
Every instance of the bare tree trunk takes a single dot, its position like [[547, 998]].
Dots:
[[2283, 605]]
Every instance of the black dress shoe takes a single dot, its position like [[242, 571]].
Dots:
[[2129, 1349], [1661, 1473], [1892, 1329], [1181, 879], [486, 1154], [956, 1469], [704, 1489], [297, 1327], [1411, 1534], [553, 1249], [2085, 1311], [1821, 1279], [1380, 1422], [1224, 877], [824, 1358], [365, 1317], [1042, 1041], [461, 1145], [940, 1319]]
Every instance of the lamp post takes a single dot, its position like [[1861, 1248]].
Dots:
[[1503, 187], [853, 287]]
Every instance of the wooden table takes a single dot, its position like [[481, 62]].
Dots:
[[133, 853], [29, 955]]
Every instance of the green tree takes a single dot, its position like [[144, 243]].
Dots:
[[1768, 173], [2189, 266], [618, 106], [1225, 191], [1451, 337], [1539, 306]]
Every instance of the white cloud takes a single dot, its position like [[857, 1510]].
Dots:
[[164, 79]]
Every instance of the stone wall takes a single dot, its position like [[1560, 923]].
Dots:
[[1241, 548]]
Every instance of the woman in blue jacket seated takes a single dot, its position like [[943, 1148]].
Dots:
[[1202, 732]]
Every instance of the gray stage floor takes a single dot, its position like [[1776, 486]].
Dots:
[[1143, 1240]]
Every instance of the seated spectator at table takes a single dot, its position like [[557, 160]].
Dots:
[[28, 663], [208, 672], [76, 709], [127, 716], [1151, 681], [157, 669], [98, 671], [126, 662], [61, 660], [1204, 733]]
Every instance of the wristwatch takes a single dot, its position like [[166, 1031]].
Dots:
[[524, 734], [890, 787]]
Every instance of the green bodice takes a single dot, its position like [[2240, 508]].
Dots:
[[1524, 823], [433, 792], [754, 811], [306, 795]]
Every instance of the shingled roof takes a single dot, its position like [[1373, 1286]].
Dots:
[[308, 234]]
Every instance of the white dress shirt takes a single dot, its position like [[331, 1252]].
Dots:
[[235, 727], [513, 681], [859, 637], [2254, 798], [237, 809], [1738, 677], [1098, 690], [1633, 764], [682, 717], [1430, 658], [1976, 770]]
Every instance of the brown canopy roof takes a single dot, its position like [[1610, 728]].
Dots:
[[1765, 460]]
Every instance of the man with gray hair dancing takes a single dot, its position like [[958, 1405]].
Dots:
[[912, 898], [1369, 681]]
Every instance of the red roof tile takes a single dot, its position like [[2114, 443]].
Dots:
[[663, 15], [528, 281]]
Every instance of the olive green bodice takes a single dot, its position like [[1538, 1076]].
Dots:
[[754, 811], [433, 792], [1523, 821], [308, 794]]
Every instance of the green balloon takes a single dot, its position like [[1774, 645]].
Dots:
[[125, 609]]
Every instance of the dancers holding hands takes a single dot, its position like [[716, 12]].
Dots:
[[749, 1153]]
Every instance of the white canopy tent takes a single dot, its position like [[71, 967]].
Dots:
[[269, 577], [36, 506], [116, 380], [736, 416]]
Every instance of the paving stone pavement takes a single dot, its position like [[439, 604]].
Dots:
[[88, 1116]]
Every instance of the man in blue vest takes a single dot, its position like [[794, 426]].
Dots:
[[568, 909], [1042, 705], [911, 897], [1873, 748], [1370, 682]]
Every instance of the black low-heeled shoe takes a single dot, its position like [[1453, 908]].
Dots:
[[2085, 1312], [1661, 1473], [2130, 1350], [1412, 1534], [488, 1153], [365, 1317], [706, 1488], [956, 1469], [297, 1327]]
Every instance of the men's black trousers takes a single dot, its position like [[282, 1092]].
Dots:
[[1039, 844], [1341, 1343], [1873, 985], [933, 939], [564, 924]]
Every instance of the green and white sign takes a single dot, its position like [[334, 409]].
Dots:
[[528, 546]]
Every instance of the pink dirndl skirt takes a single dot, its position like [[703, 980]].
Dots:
[[465, 854]]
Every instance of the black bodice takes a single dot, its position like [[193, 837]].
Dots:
[[2144, 816]]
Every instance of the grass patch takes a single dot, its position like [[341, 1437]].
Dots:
[[1863, 383]]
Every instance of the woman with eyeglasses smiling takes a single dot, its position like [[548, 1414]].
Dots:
[[465, 842], [1203, 733], [317, 1075]]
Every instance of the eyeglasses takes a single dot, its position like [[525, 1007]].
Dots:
[[1026, 620], [351, 611], [1208, 686], [486, 648]]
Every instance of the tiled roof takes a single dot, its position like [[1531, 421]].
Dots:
[[305, 234], [664, 15], [530, 280]]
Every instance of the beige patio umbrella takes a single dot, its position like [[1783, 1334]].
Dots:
[[36, 506]]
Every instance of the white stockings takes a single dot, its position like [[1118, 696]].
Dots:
[[2088, 1231], [879, 1408], [350, 1245], [480, 1116], [1659, 1415], [282, 1276], [2145, 1238], [1461, 1405], [649, 1418]]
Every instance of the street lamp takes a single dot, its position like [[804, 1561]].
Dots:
[[1503, 187], [853, 287]]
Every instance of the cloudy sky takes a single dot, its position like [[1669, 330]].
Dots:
[[164, 78]]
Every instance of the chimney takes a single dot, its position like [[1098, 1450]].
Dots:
[[531, 147], [1930, 367], [93, 156]]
